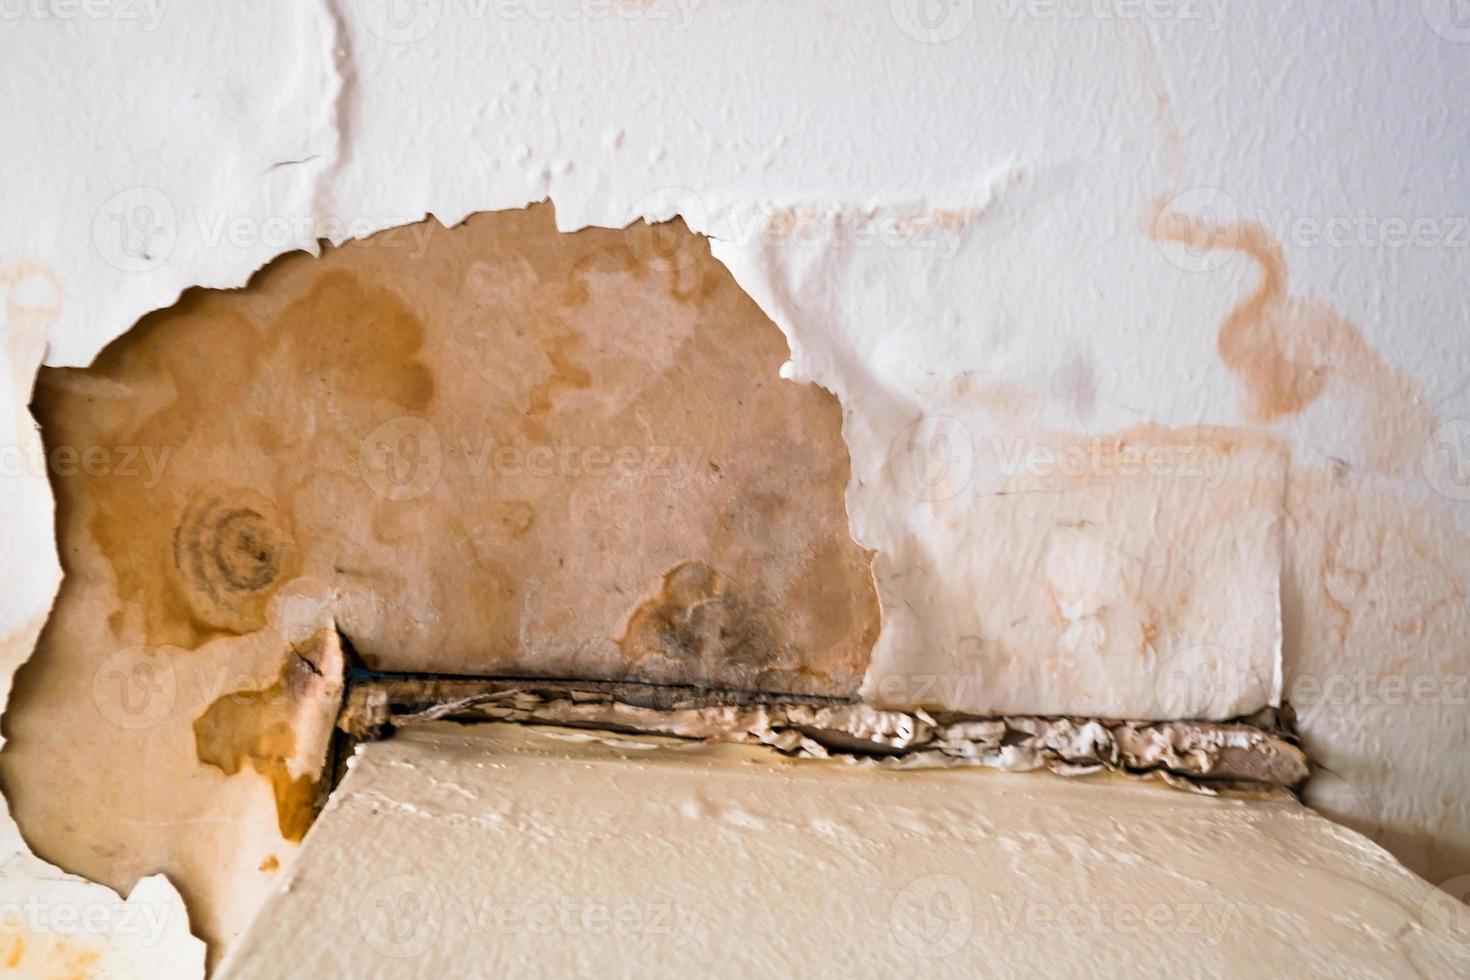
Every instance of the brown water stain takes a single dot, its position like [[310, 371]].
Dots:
[[1287, 351], [332, 433], [1152, 70], [221, 405], [266, 729], [696, 621], [565, 373]]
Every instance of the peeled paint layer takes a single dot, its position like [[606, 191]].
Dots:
[[493, 449], [679, 861]]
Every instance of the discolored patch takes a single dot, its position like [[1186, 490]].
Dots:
[[230, 549], [478, 459], [693, 627], [1287, 351], [280, 731]]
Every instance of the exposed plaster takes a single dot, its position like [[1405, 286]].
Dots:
[[496, 448]]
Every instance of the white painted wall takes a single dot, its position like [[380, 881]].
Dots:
[[953, 210]]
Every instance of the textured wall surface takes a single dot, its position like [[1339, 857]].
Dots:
[[687, 860], [1148, 321]]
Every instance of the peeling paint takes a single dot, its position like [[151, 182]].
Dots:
[[522, 451]]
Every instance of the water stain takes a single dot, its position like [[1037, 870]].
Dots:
[[698, 625], [203, 444], [1376, 606], [280, 731], [1135, 546], [480, 458], [1287, 351], [230, 549]]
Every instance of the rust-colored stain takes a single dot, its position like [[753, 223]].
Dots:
[[260, 728], [565, 373], [1288, 350], [1152, 72], [270, 863], [50, 956], [225, 409], [29, 304]]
